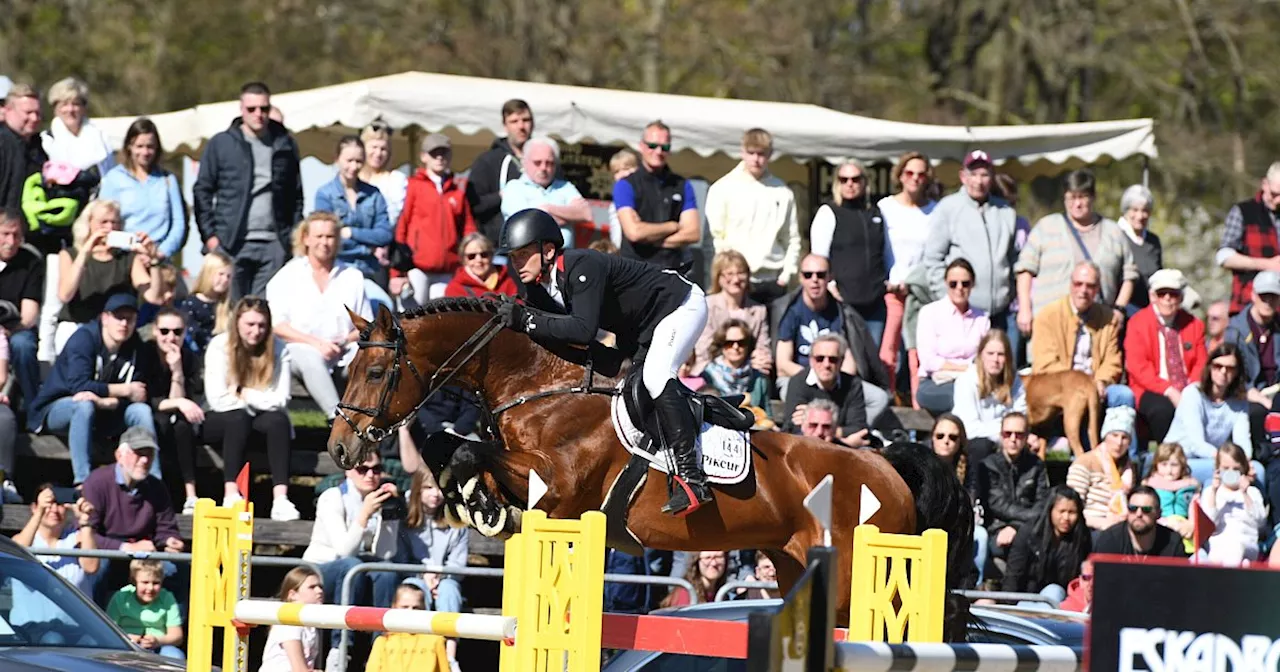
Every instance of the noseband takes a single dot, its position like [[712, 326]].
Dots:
[[441, 377]]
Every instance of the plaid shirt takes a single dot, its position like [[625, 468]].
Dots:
[[1251, 237]]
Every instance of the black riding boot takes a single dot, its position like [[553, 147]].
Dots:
[[678, 431]]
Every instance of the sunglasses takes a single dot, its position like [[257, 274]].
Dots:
[[165, 331], [938, 436], [1222, 367], [1168, 293], [817, 425], [960, 283], [822, 359], [1009, 434], [664, 146], [913, 173], [364, 469], [845, 179], [1077, 284], [479, 255], [1145, 508], [257, 109], [1086, 577], [735, 343], [809, 275]]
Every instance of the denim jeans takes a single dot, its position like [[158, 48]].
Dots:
[[1052, 591], [981, 538], [172, 652], [26, 367], [384, 586], [448, 596], [1120, 395], [874, 314], [81, 421], [1008, 321]]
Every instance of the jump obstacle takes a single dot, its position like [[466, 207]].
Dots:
[[553, 595]]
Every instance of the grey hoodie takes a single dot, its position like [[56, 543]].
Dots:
[[984, 235]]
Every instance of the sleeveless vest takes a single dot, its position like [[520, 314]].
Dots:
[[659, 198], [1257, 240], [857, 254]]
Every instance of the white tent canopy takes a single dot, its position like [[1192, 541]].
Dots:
[[467, 108]]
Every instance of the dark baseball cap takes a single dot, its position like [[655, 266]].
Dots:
[[120, 300], [975, 159]]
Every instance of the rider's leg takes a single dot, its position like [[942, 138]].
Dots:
[[673, 340]]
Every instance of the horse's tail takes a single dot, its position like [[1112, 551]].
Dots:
[[941, 502]]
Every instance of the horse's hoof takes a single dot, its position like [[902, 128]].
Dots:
[[497, 527]]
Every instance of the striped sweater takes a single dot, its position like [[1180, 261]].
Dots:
[[1090, 480], [1052, 252]]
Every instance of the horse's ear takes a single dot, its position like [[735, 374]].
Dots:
[[360, 323]]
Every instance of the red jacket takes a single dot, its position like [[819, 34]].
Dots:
[[434, 221], [1142, 350], [465, 284], [1076, 599]]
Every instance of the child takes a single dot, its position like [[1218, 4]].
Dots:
[[621, 165], [293, 648], [208, 306], [399, 651], [148, 613], [1171, 477], [1235, 506]]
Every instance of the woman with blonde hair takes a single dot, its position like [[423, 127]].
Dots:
[[71, 137], [987, 391], [93, 269], [729, 300], [906, 218], [247, 380], [850, 231], [378, 169], [208, 306]]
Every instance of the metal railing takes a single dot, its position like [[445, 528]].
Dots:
[[747, 585], [1006, 596], [164, 556]]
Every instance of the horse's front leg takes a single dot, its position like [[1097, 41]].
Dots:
[[487, 487]]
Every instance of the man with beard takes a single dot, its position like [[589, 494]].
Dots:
[[1139, 534]]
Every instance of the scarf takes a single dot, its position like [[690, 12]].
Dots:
[[727, 379], [1118, 503], [1130, 233]]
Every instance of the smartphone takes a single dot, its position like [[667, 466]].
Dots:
[[121, 240], [65, 495]]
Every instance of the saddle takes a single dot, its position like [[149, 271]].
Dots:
[[718, 411]]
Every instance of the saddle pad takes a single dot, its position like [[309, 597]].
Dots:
[[725, 453]]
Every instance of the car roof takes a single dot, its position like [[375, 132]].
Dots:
[[12, 548]]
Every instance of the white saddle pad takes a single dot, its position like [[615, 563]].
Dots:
[[725, 453]]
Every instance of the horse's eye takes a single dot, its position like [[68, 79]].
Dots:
[[375, 373]]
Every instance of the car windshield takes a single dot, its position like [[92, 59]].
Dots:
[[38, 608]]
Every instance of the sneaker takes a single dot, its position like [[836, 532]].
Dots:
[[229, 501], [335, 662], [189, 506], [9, 493], [284, 511]]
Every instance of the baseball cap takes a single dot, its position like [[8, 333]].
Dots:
[[976, 158], [1167, 278], [436, 141], [1267, 282], [121, 300], [138, 438]]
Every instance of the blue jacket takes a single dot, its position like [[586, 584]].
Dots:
[[153, 207], [76, 370], [1239, 333], [370, 226]]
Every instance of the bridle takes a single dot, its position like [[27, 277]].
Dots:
[[441, 377]]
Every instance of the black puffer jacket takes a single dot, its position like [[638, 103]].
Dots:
[[1017, 490]]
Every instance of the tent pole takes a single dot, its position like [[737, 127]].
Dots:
[[1146, 171]]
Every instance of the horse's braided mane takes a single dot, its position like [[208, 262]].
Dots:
[[486, 304]]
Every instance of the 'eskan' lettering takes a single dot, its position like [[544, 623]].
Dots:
[[1160, 650]]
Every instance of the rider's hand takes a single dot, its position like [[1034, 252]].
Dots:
[[517, 317]]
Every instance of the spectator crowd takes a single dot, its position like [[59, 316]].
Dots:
[[946, 302]]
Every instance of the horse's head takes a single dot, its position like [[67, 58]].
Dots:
[[384, 389], [400, 365]]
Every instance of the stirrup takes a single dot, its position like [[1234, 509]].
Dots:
[[684, 500]]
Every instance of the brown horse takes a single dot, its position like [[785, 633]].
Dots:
[[546, 419]]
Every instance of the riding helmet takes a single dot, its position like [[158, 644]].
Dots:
[[529, 226]]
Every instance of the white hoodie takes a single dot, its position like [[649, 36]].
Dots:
[[758, 219]]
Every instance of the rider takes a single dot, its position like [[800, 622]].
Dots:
[[654, 313]]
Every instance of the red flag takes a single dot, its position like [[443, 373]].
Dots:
[[1201, 525], [242, 482]]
